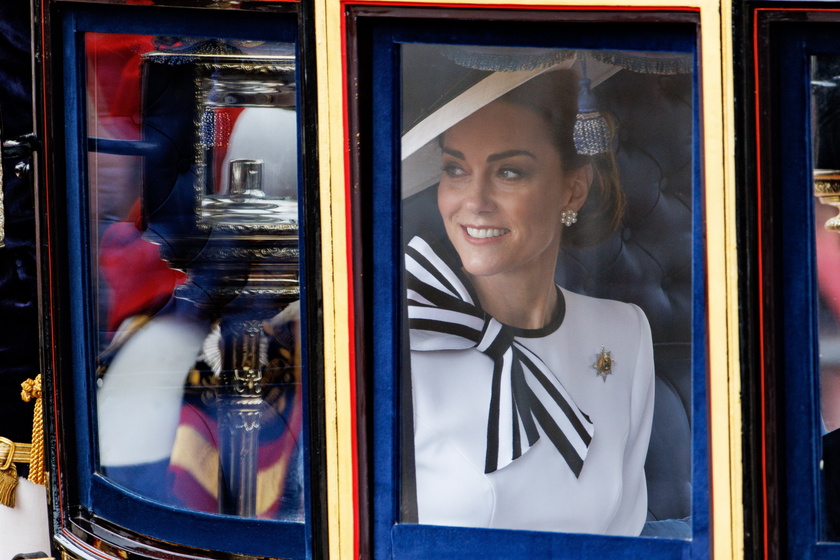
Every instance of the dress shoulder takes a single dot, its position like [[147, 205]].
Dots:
[[601, 313]]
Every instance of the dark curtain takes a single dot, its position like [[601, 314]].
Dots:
[[18, 302]]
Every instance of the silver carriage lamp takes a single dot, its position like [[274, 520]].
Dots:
[[220, 198]]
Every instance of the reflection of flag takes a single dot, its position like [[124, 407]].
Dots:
[[194, 464], [216, 128], [114, 62]]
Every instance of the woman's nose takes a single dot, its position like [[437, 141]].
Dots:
[[480, 196]]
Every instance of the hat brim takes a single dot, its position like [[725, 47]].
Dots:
[[420, 152]]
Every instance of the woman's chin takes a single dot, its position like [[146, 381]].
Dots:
[[480, 267], [484, 257]]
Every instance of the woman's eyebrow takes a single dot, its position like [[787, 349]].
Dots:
[[492, 157], [509, 153], [453, 153]]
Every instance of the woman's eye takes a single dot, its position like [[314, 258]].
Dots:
[[453, 170], [511, 173]]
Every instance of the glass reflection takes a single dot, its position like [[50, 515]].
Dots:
[[825, 72], [193, 203], [540, 305]]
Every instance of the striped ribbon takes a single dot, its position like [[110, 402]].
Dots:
[[526, 399]]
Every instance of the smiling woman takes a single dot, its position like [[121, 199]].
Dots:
[[531, 405], [503, 191]]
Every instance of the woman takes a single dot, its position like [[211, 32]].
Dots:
[[532, 405]]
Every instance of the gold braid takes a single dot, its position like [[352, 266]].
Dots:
[[32, 390]]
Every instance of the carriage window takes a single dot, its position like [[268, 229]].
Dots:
[[545, 307], [796, 226], [193, 213]]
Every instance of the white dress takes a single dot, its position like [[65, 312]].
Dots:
[[538, 491]]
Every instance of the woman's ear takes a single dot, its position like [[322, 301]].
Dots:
[[578, 182]]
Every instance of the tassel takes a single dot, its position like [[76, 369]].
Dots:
[[31, 389], [592, 134], [8, 484]]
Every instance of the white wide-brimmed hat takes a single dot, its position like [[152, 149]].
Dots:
[[495, 72]]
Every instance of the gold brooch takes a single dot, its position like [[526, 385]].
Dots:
[[603, 364]]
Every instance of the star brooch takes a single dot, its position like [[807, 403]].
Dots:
[[603, 364]]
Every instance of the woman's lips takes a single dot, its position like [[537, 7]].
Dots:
[[485, 233]]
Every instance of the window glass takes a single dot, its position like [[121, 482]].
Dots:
[[825, 78], [193, 188], [548, 207]]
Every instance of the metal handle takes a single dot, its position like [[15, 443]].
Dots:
[[18, 152]]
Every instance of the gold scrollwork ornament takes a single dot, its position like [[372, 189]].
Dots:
[[827, 191]]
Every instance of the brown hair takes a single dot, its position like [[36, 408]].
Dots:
[[553, 96]]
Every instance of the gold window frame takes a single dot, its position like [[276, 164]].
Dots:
[[724, 377]]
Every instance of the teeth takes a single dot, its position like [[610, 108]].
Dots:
[[485, 233]]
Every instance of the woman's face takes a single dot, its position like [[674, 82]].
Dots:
[[503, 189]]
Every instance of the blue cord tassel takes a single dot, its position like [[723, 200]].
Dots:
[[592, 134]]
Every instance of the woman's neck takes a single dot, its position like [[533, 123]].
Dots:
[[528, 304]]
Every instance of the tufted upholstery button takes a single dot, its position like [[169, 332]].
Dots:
[[666, 283], [626, 234]]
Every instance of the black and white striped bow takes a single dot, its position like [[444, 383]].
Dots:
[[524, 395]]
